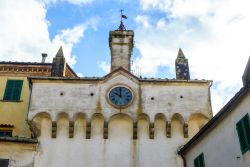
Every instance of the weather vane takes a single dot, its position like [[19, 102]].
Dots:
[[122, 27]]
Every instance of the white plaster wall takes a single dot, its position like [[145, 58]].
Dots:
[[46, 98], [76, 98], [167, 100], [119, 150], [221, 145], [160, 151]]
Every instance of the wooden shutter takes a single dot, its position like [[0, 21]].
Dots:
[[246, 122], [202, 162], [199, 161], [13, 90], [8, 90], [196, 162], [17, 90], [243, 130]]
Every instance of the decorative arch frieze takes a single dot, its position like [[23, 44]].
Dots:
[[79, 126]]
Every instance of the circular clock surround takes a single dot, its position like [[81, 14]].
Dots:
[[120, 96]]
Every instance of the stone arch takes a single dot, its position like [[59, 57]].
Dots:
[[120, 126], [80, 125], [160, 126], [41, 125], [195, 122], [144, 116], [62, 115], [63, 124], [177, 125], [97, 126], [143, 123], [41, 115], [80, 115], [179, 117]]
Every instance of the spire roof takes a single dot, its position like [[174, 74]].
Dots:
[[60, 52], [246, 74], [180, 54]]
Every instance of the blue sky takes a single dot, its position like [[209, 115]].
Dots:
[[214, 36], [107, 14]]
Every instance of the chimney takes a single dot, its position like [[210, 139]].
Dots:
[[121, 43], [44, 55]]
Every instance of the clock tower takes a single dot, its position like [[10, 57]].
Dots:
[[181, 67], [121, 43]]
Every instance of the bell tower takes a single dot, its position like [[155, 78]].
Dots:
[[181, 67], [121, 43]]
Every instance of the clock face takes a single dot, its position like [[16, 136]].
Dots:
[[120, 96]]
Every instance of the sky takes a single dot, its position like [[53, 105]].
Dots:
[[214, 36]]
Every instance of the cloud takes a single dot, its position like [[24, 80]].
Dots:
[[104, 66], [79, 74], [142, 20], [23, 30], [149, 4], [67, 39], [214, 36], [24, 33], [75, 2]]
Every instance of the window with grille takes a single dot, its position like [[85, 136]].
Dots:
[[4, 162], [4, 133], [199, 161], [243, 130], [13, 90]]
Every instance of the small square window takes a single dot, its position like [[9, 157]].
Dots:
[[5, 133]]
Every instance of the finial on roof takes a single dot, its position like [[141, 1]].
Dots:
[[180, 54], [60, 52], [58, 64], [246, 74], [181, 66], [121, 26]]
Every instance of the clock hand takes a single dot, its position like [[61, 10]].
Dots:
[[117, 94], [120, 92]]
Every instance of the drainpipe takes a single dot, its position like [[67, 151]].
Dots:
[[184, 159], [27, 111]]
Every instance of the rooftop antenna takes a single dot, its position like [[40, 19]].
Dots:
[[136, 70], [122, 27]]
